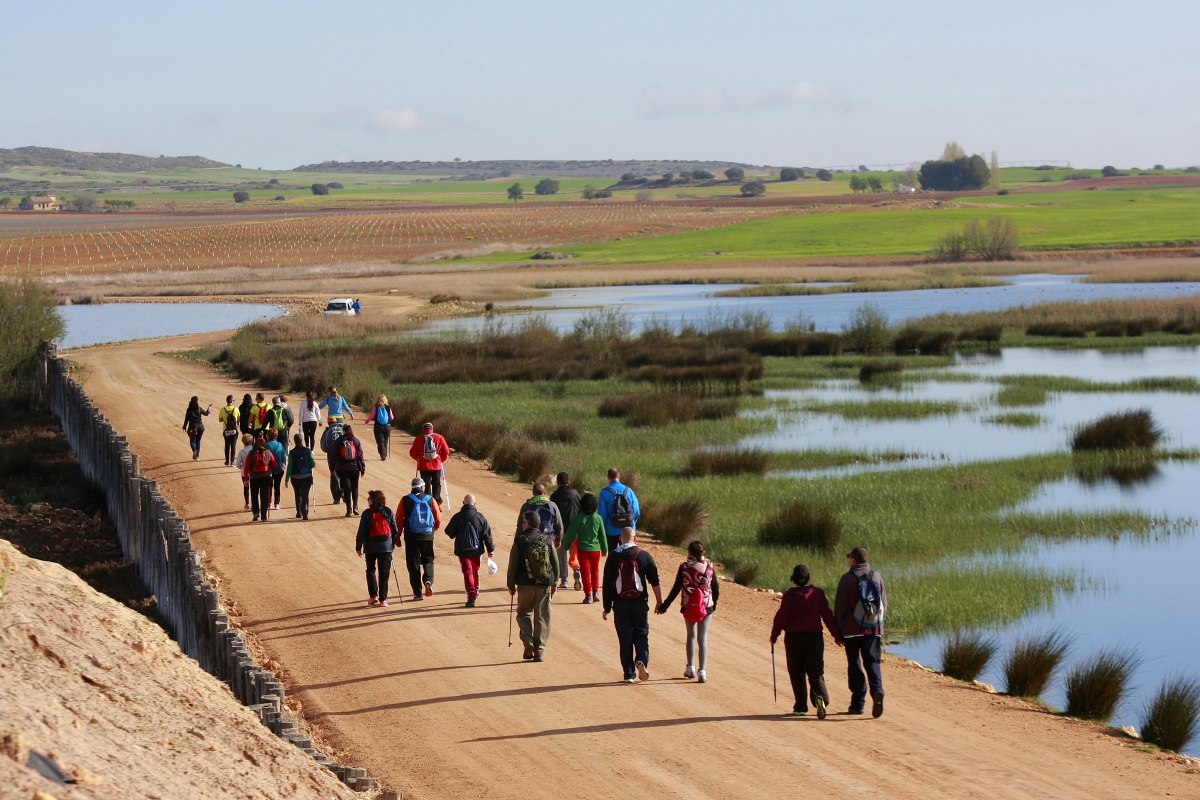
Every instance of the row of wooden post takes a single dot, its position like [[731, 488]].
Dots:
[[158, 540]]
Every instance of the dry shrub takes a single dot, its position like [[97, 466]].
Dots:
[[564, 432], [983, 333], [408, 413], [746, 573], [674, 523], [473, 438], [927, 343], [518, 455], [742, 461], [444, 298], [803, 524], [1126, 430], [1066, 330]]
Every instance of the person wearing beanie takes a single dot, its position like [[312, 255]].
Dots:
[[859, 608], [422, 516], [803, 609]]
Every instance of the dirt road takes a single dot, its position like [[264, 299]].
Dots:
[[428, 695]]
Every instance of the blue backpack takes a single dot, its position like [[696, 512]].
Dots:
[[382, 415], [420, 518], [868, 611]]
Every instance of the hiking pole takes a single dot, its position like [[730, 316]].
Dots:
[[774, 683], [396, 578], [511, 599]]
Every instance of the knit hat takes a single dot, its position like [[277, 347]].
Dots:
[[801, 575]]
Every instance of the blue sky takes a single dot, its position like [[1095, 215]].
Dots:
[[276, 84]]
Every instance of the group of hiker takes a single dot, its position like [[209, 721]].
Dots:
[[557, 536]]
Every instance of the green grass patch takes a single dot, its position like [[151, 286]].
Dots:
[[888, 409], [1017, 419]]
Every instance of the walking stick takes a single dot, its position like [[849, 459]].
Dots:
[[774, 683], [396, 578], [512, 599]]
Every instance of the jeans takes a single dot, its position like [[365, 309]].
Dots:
[[383, 437], [195, 441], [697, 636], [231, 446], [381, 562], [348, 483], [433, 484], [260, 496], [302, 486], [632, 620], [589, 570], [418, 556], [310, 434], [276, 482], [470, 569], [533, 616], [868, 648], [806, 660]]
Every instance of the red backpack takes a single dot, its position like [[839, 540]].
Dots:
[[380, 527], [629, 578], [260, 462], [349, 451], [697, 590]]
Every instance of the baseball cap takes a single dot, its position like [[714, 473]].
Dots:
[[417, 483]]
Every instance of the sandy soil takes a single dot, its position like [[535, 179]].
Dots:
[[428, 696]]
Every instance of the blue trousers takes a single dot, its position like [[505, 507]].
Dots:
[[632, 620], [867, 649]]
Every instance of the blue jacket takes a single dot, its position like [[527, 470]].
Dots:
[[605, 501], [338, 407], [366, 543], [281, 456]]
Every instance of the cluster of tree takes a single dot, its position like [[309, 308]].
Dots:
[[592, 193], [243, 196], [5, 202], [118, 205], [958, 174], [860, 184], [546, 186], [754, 189], [320, 189], [735, 174], [790, 174], [83, 202], [29, 312], [824, 175], [1110, 172]]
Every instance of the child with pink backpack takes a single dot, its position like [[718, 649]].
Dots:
[[697, 582]]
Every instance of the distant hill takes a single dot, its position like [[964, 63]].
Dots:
[[607, 168], [99, 162]]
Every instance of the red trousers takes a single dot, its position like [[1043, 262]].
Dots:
[[470, 568], [589, 570]]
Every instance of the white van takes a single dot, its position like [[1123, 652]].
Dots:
[[340, 306]]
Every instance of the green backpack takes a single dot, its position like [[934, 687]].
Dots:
[[540, 560]]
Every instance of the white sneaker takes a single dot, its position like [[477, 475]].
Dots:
[[701, 677], [642, 673], [689, 671]]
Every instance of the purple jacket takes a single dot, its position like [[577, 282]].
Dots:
[[803, 609], [355, 464]]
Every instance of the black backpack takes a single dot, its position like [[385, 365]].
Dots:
[[620, 513]]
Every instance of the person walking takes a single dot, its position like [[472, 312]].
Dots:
[[240, 463], [586, 533], [300, 475], [257, 475], [803, 609], [229, 417], [430, 451], [377, 537], [193, 423], [289, 419], [627, 572], [381, 415], [422, 516], [350, 467], [551, 524], [533, 579], [697, 581], [618, 507], [357, 307], [566, 500], [276, 419], [259, 415], [310, 420], [337, 406], [329, 443], [472, 538], [246, 415], [859, 608], [280, 452]]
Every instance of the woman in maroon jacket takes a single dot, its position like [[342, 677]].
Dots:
[[799, 618]]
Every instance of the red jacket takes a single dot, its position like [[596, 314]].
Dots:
[[803, 608], [249, 456], [417, 452]]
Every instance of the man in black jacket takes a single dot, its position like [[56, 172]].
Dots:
[[567, 500], [472, 538], [533, 592], [627, 572]]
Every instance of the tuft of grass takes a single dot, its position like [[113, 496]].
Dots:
[[927, 343], [965, 654], [746, 573], [1032, 662], [802, 524], [518, 455], [1020, 394], [1173, 717], [1094, 690], [872, 368], [674, 523], [1017, 419], [1126, 430], [564, 432], [742, 461], [888, 409]]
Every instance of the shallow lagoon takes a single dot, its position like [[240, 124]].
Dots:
[[119, 322]]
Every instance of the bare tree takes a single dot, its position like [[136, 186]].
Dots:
[[952, 152], [995, 171]]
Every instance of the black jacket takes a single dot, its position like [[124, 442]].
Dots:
[[612, 564], [567, 500], [471, 533], [518, 570], [193, 418], [367, 543], [245, 421]]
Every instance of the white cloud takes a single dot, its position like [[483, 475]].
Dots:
[[397, 120], [656, 102]]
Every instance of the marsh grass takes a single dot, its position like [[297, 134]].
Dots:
[[739, 461], [1096, 688], [746, 573], [965, 654], [802, 524], [888, 409], [1016, 419], [1172, 719], [518, 455], [544, 431], [1126, 430], [928, 343], [658, 409], [674, 523], [1032, 662], [1176, 315], [879, 369]]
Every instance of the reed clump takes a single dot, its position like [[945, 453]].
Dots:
[[746, 573], [1126, 430], [1095, 689], [1032, 662], [522, 457], [563, 432], [657, 409], [965, 654], [741, 461], [876, 368], [676, 522], [927, 343], [1172, 719], [802, 524]]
